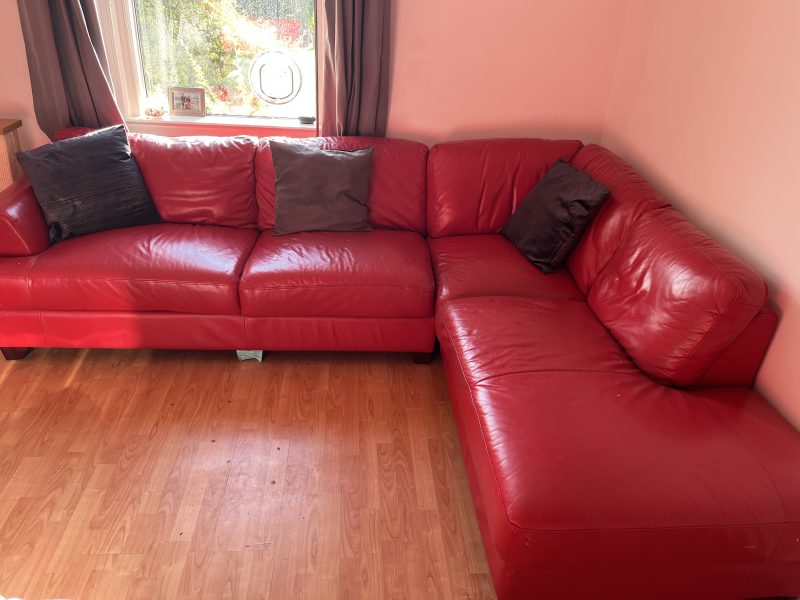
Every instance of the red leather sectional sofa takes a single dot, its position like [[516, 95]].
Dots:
[[613, 443]]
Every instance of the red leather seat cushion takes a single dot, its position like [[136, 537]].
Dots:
[[674, 298], [165, 267], [397, 187], [498, 335], [201, 180], [475, 185], [336, 274], [490, 265], [580, 468]]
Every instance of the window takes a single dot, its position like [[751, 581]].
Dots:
[[253, 58]]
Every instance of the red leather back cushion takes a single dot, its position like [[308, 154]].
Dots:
[[397, 186], [474, 186], [631, 197], [674, 298], [202, 180], [71, 132]]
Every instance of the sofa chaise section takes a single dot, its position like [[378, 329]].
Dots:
[[611, 485], [593, 471]]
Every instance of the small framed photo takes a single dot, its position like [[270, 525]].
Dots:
[[186, 101]]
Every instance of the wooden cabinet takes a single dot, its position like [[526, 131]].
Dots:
[[10, 170]]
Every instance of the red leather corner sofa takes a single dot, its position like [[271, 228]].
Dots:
[[613, 443]]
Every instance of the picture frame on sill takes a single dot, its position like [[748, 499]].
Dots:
[[187, 101]]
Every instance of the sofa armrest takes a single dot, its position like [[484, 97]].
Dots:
[[23, 230], [739, 363]]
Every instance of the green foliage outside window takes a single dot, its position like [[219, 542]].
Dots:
[[212, 43]]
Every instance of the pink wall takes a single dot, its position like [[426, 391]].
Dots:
[[467, 68], [706, 103], [15, 84]]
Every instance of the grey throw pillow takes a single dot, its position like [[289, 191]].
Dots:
[[88, 184], [320, 190]]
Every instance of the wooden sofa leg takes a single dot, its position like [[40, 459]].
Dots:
[[15, 353], [422, 358]]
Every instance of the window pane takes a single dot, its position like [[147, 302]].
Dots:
[[252, 57]]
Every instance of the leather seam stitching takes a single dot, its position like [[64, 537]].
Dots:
[[676, 528], [34, 278], [512, 373], [334, 285], [755, 455]]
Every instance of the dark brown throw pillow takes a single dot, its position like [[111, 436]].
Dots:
[[89, 183], [320, 190], [553, 216]]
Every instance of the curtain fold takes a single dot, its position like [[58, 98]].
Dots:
[[67, 64], [354, 66]]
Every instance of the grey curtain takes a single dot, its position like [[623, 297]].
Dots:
[[354, 66], [68, 65]]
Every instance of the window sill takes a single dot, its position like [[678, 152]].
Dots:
[[221, 125]]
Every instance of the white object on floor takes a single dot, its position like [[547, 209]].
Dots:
[[250, 355]]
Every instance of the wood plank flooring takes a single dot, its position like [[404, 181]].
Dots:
[[154, 474]]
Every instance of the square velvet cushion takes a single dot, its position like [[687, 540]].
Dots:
[[553, 216], [320, 190], [88, 184]]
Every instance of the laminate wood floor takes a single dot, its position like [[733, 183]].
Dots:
[[153, 474]]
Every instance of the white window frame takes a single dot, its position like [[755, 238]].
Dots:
[[118, 23], [121, 40]]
